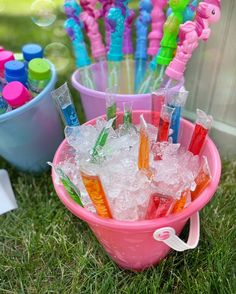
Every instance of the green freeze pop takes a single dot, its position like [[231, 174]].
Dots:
[[69, 186], [102, 139]]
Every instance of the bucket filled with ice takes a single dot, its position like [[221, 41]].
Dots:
[[138, 174], [133, 186]]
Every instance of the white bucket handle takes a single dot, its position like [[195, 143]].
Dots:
[[168, 236]]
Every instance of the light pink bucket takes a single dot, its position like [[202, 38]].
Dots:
[[94, 102], [139, 245]]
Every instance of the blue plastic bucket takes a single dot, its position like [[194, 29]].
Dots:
[[30, 135]]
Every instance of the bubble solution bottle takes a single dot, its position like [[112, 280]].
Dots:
[[39, 75], [31, 51], [16, 94], [15, 71]]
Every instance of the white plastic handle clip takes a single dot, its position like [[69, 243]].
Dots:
[[168, 236]]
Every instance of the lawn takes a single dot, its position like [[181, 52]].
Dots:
[[45, 249]]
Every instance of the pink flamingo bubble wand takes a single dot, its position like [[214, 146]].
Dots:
[[190, 34], [89, 17]]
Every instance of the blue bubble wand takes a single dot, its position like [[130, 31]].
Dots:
[[73, 27], [142, 23], [116, 19]]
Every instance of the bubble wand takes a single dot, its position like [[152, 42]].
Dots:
[[190, 11], [128, 50], [106, 5], [168, 46], [158, 19], [89, 17], [116, 19], [73, 27], [142, 22], [190, 34]]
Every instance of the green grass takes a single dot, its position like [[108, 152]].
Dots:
[[45, 249]]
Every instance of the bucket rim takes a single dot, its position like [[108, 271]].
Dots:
[[99, 94], [93, 219], [12, 114]]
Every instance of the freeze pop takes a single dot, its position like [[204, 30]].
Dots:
[[144, 146], [164, 123], [176, 100], [202, 127], [102, 139], [202, 180], [111, 106], [93, 185]]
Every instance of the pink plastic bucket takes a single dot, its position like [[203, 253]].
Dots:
[[94, 102], [138, 245]]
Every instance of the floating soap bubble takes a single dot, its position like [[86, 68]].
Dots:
[[43, 12], [59, 29], [58, 54]]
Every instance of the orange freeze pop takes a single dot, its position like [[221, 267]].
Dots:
[[96, 193], [202, 180], [144, 146], [180, 204]]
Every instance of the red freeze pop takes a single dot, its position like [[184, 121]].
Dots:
[[202, 127], [159, 206], [164, 124], [158, 99]]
